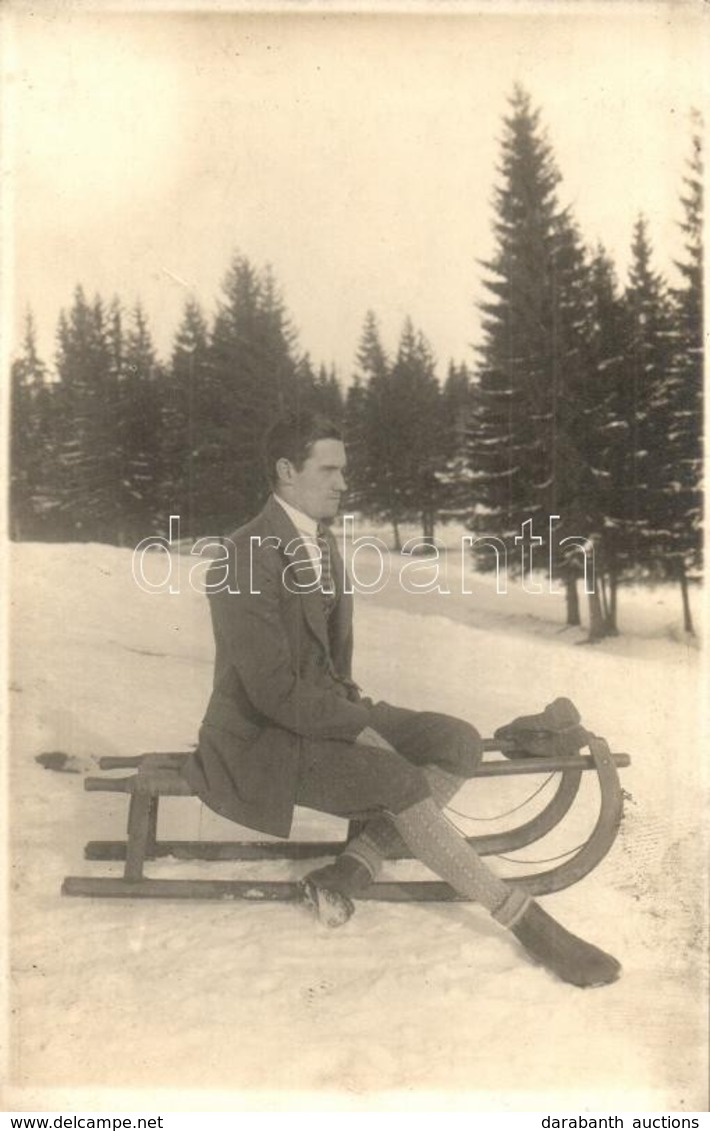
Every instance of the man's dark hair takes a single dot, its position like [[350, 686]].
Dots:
[[292, 437]]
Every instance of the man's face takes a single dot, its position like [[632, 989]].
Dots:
[[316, 489]]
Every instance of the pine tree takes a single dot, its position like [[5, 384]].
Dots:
[[115, 341], [306, 390], [252, 378], [577, 545], [137, 435], [85, 419], [509, 447], [373, 432], [30, 446], [640, 483], [317, 392], [453, 472], [371, 364], [395, 431], [682, 402], [186, 391], [456, 408], [526, 456], [415, 448], [328, 394], [355, 420], [608, 435], [106, 417], [278, 347]]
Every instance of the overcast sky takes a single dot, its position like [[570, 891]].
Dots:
[[355, 153]]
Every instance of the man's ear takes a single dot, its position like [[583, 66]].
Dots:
[[284, 470]]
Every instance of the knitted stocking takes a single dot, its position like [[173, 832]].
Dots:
[[380, 840], [431, 838], [328, 890], [434, 841]]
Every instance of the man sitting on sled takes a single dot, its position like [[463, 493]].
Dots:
[[286, 725]]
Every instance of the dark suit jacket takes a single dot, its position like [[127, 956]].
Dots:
[[282, 674]]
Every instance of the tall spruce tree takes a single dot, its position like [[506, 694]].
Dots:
[[115, 340], [87, 458], [683, 393], [306, 394], [372, 422], [328, 395], [641, 479], [355, 420], [509, 446], [415, 447], [573, 494], [105, 415], [253, 362], [526, 460], [453, 472], [186, 467], [608, 436], [138, 434], [395, 431], [31, 449]]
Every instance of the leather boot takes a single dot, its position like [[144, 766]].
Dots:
[[564, 954], [327, 890]]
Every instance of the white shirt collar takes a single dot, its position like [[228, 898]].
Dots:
[[303, 522]]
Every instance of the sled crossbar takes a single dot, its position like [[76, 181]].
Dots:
[[159, 775]]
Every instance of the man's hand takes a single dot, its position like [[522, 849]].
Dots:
[[370, 737]]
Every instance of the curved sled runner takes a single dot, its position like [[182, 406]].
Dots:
[[158, 775]]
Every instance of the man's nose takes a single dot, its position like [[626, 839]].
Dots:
[[341, 485]]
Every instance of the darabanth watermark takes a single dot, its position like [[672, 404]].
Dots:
[[303, 573]]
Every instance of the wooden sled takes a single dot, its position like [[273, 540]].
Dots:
[[158, 775]]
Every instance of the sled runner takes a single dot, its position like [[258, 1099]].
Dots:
[[158, 775]]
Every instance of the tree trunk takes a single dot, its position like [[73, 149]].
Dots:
[[687, 615], [611, 626], [603, 596], [428, 527], [395, 532], [572, 597], [597, 628]]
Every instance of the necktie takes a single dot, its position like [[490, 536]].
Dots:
[[326, 571]]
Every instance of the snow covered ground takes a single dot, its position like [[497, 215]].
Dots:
[[138, 1005]]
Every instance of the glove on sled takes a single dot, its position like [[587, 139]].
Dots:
[[556, 731]]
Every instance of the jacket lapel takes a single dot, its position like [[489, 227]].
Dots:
[[301, 568]]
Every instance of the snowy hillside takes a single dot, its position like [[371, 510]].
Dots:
[[420, 1000]]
